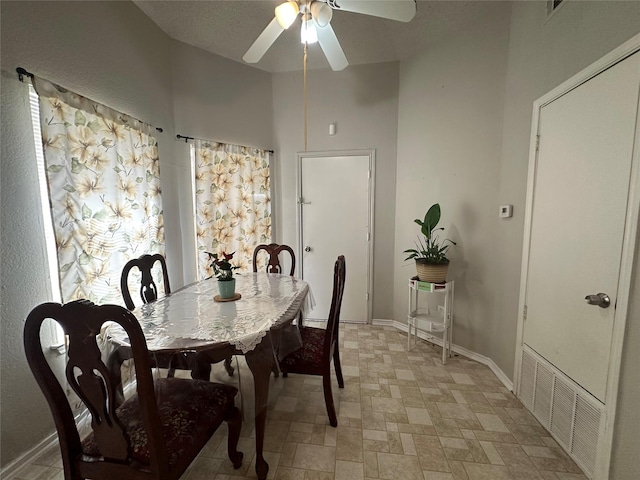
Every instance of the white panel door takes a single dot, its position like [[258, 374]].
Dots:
[[335, 220], [579, 211]]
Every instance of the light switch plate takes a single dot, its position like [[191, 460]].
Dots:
[[506, 211]]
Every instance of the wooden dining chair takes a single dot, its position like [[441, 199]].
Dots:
[[149, 293], [148, 288], [320, 346], [156, 433], [274, 250]]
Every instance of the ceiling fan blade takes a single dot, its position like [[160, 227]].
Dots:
[[268, 36], [400, 10], [331, 47]]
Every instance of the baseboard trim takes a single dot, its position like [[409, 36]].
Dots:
[[506, 381], [382, 322], [15, 466]]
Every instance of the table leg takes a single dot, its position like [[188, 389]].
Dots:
[[261, 361]]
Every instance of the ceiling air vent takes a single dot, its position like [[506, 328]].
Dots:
[[553, 5]]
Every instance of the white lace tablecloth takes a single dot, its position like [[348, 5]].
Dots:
[[190, 319]]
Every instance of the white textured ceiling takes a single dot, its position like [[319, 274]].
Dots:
[[229, 27]]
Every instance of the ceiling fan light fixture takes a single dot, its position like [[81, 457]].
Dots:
[[321, 13], [308, 33], [286, 13]]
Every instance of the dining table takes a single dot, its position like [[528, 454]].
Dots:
[[258, 325]]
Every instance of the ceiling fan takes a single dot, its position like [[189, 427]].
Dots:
[[316, 24]]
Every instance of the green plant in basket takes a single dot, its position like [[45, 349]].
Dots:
[[222, 268], [430, 249]]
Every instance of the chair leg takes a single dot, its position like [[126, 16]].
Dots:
[[171, 369], [338, 367], [328, 400], [228, 367], [234, 421]]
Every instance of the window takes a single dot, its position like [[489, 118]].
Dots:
[[102, 178], [232, 202]]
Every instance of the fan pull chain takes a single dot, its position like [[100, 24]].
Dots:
[[304, 93]]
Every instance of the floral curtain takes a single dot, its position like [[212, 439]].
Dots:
[[232, 202], [104, 187]]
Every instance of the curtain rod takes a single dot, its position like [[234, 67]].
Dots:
[[186, 139], [23, 73]]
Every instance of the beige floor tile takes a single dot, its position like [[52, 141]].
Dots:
[[491, 423], [556, 465], [491, 453], [349, 444], [458, 471], [408, 445], [430, 453], [370, 465], [418, 416], [462, 378], [388, 405], [446, 427], [395, 443], [287, 473], [349, 470], [202, 467], [437, 476], [405, 374], [519, 472], [315, 457], [350, 410], [286, 404], [316, 475], [456, 411], [350, 371], [389, 466], [402, 415], [513, 455], [545, 452], [476, 471]]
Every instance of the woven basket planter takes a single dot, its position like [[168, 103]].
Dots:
[[433, 273]]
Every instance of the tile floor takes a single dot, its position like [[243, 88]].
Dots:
[[402, 415]]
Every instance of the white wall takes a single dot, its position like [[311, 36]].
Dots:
[[109, 52], [363, 102], [542, 55], [449, 137]]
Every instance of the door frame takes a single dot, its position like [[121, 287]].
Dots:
[[628, 246], [371, 153]]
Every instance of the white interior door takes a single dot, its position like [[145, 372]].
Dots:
[[579, 210], [335, 208]]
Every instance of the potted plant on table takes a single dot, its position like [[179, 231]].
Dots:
[[223, 270], [430, 253]]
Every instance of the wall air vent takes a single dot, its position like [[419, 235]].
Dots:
[[572, 415], [553, 6]]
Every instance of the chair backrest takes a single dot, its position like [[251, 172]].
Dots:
[[333, 322], [90, 379], [273, 249], [148, 288]]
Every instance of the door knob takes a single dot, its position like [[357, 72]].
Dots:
[[601, 299], [307, 248]]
